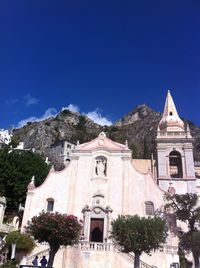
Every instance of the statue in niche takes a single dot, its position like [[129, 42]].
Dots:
[[101, 167]]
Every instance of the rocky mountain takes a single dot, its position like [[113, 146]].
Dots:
[[137, 127]]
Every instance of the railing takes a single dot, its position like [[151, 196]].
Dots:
[[130, 256], [28, 266], [169, 249], [101, 247], [95, 246], [6, 228], [42, 253], [172, 134], [145, 265]]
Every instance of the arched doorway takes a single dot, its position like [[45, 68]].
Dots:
[[96, 230], [175, 165]]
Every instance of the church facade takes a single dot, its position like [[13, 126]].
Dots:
[[102, 181]]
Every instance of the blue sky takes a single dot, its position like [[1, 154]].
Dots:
[[100, 57]]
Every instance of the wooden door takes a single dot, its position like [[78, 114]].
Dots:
[[96, 230]]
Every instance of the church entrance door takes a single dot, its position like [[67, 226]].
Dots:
[[96, 230]]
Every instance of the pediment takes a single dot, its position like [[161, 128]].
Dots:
[[102, 142]]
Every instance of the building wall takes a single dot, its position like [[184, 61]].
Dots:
[[125, 190], [62, 150]]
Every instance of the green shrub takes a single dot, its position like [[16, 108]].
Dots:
[[24, 243], [81, 123], [9, 264]]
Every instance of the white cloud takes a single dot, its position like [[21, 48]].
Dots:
[[98, 118], [71, 107], [95, 115], [48, 113], [30, 100]]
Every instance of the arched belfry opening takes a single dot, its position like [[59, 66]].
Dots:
[[174, 151], [175, 165]]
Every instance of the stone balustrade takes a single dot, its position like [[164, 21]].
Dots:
[[102, 247], [40, 254], [171, 134], [95, 246], [169, 249], [6, 228]]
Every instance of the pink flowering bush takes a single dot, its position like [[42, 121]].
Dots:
[[56, 229]]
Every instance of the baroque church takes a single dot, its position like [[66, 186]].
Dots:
[[102, 181]]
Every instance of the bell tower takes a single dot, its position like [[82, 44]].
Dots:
[[174, 151]]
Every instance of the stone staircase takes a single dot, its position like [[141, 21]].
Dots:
[[96, 255]]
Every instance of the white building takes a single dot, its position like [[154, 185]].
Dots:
[[62, 150], [5, 136], [102, 182]]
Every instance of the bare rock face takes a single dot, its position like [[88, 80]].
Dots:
[[66, 125], [139, 113], [138, 127]]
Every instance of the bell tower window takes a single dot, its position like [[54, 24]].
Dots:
[[175, 165]]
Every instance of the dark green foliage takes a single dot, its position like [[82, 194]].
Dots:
[[134, 148], [80, 136], [65, 112], [114, 129], [81, 123], [146, 152], [56, 229], [23, 241], [186, 208], [16, 171], [184, 263], [135, 234], [10, 264], [14, 141]]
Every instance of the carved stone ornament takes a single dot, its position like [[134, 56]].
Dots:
[[97, 210], [101, 142]]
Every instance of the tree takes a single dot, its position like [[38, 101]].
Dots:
[[16, 170], [186, 208], [56, 229], [138, 235], [24, 243]]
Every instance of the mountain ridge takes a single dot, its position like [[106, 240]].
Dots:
[[139, 127]]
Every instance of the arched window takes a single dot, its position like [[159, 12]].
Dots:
[[175, 165], [149, 208], [50, 204], [101, 166]]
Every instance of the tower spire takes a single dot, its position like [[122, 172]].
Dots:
[[170, 120]]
